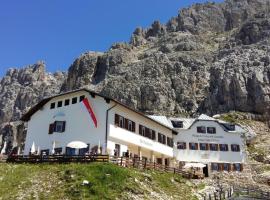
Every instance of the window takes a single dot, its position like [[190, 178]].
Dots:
[[59, 104], [121, 122], [214, 166], [181, 145], [58, 150], [169, 142], [141, 130], [229, 127], [125, 123], [193, 146], [51, 128], [226, 167], [161, 138], [153, 135], [235, 147], [213, 147], [82, 98], [74, 100], [52, 105], [177, 124], [59, 126], [203, 146], [129, 125], [211, 130], [223, 147], [201, 129], [67, 101], [237, 167]]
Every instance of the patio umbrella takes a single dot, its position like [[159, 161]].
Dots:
[[3, 151], [19, 150], [199, 165], [33, 148], [38, 150], [77, 145], [98, 151], [53, 147]]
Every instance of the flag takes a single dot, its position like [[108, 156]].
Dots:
[[90, 110]]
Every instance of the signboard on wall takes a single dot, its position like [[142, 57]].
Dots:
[[207, 138]]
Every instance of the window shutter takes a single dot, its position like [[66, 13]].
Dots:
[[185, 145], [207, 146], [133, 127], [196, 144], [190, 145], [116, 120], [140, 129], [238, 147], [227, 147], [164, 139], [241, 167], [64, 126], [231, 147], [153, 135], [229, 167], [54, 126], [126, 123], [51, 128], [147, 132]]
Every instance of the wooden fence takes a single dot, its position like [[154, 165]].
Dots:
[[57, 158], [121, 161], [220, 195], [144, 164], [251, 192]]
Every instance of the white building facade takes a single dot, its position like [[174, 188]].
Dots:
[[98, 121], [218, 145]]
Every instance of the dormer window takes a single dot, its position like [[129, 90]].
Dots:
[[59, 104], [82, 98], [211, 130], [177, 124], [67, 101], [52, 106], [74, 100], [201, 129]]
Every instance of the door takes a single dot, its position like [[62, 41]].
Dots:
[[117, 150], [70, 151], [205, 171]]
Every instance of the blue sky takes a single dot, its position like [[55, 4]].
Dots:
[[58, 31]]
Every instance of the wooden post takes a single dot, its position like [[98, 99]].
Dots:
[[145, 163], [121, 161], [134, 162]]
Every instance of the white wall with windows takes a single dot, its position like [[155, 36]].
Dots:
[[207, 142], [65, 119], [145, 134]]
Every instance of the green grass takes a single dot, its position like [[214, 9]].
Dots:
[[106, 181]]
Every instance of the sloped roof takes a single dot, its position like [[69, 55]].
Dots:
[[162, 119], [186, 121], [206, 117]]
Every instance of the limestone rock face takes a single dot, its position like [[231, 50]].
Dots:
[[210, 58], [20, 89]]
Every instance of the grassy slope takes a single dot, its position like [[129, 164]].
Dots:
[[107, 181]]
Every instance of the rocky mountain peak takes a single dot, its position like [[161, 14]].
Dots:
[[210, 58]]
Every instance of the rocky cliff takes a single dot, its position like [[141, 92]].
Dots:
[[210, 58]]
